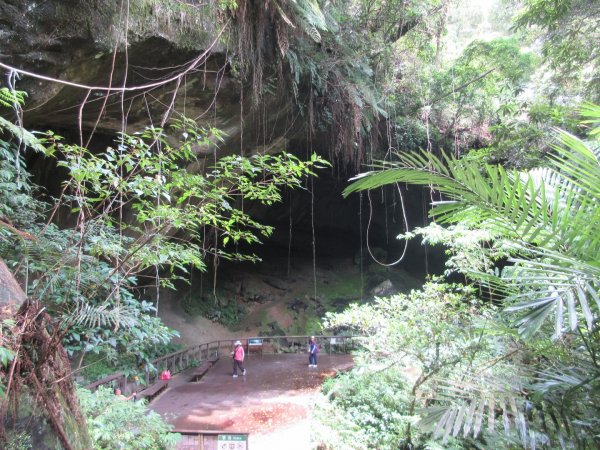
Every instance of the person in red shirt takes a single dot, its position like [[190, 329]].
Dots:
[[238, 359], [166, 376]]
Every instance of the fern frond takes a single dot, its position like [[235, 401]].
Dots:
[[311, 13], [314, 34], [105, 316], [28, 138], [9, 97]]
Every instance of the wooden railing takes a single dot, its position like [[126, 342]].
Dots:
[[192, 356]]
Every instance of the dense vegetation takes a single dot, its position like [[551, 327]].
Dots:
[[524, 353], [509, 359], [483, 106], [85, 276]]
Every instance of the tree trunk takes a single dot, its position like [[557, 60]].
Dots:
[[40, 398], [11, 294]]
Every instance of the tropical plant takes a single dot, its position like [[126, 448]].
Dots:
[[464, 97], [116, 423], [411, 342], [86, 275], [524, 134], [365, 409], [148, 175], [548, 221], [567, 30], [549, 215]]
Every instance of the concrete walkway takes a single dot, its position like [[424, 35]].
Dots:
[[271, 402]]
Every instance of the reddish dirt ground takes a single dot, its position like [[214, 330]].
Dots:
[[271, 403]]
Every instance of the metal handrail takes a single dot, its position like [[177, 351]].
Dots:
[[181, 360]]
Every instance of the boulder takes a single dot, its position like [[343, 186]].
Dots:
[[383, 289]]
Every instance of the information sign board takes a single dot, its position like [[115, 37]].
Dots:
[[232, 442]]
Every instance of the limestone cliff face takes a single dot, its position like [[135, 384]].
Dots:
[[104, 43]]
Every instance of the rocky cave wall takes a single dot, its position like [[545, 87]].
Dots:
[[74, 40]]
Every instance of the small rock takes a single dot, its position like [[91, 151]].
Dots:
[[383, 289], [297, 305]]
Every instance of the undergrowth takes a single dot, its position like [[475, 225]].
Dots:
[[228, 314]]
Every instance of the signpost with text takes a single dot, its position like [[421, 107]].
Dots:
[[232, 442]]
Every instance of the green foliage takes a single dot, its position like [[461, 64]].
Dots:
[[6, 354], [96, 307], [465, 96], [137, 332], [228, 314], [410, 134], [86, 275], [95, 366], [412, 342], [148, 173], [468, 249], [419, 321], [347, 289], [227, 5], [547, 221], [116, 423], [524, 133], [365, 410], [19, 441], [9, 97], [6, 357], [568, 30], [550, 217], [338, 53]]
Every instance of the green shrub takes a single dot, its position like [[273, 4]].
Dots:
[[375, 405], [228, 314], [115, 423]]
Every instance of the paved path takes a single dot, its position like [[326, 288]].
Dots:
[[272, 401]]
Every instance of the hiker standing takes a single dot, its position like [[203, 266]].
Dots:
[[166, 376], [313, 349], [238, 358]]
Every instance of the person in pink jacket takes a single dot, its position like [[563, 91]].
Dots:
[[238, 358]]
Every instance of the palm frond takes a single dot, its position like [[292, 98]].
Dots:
[[465, 406], [575, 160], [548, 284], [592, 114], [518, 203], [552, 215], [476, 403]]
